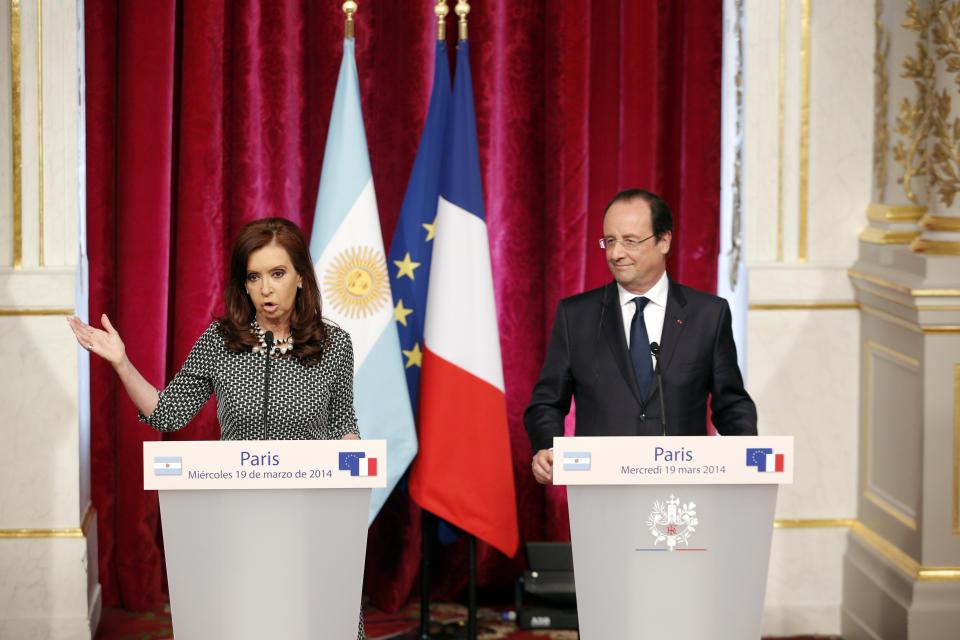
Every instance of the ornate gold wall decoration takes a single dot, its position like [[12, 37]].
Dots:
[[945, 154], [881, 106], [913, 123]]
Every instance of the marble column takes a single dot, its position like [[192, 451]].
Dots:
[[807, 99], [49, 584], [901, 569]]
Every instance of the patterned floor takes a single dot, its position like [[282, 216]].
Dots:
[[448, 621]]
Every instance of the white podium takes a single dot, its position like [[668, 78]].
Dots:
[[265, 539], [671, 536]]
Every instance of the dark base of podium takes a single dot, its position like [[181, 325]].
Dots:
[[444, 631], [546, 595], [536, 618]]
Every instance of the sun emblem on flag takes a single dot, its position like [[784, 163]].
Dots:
[[356, 282]]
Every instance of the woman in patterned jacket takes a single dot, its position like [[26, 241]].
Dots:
[[272, 288]]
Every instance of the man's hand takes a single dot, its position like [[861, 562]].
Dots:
[[543, 466]]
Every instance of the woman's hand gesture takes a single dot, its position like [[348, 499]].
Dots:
[[105, 342]]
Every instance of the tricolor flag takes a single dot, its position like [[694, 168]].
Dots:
[[464, 471], [576, 460], [352, 271], [765, 460], [167, 466], [357, 463]]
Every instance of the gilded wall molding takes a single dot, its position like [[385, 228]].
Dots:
[[884, 214], [803, 306], [893, 213], [17, 141], [781, 104], [887, 284], [873, 235], [940, 223], [804, 130], [871, 348], [881, 105], [893, 554], [935, 247], [37, 312], [40, 257], [67, 532], [813, 523]]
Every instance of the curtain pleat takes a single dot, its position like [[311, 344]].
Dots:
[[202, 116]]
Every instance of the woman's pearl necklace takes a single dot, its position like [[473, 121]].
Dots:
[[280, 347]]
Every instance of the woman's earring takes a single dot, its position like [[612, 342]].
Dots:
[[300, 286]]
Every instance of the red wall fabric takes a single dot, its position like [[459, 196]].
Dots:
[[204, 115]]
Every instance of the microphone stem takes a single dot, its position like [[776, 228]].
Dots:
[[663, 408], [266, 384]]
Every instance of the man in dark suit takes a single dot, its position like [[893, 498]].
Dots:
[[600, 347]]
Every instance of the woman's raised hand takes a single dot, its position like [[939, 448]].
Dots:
[[105, 342]]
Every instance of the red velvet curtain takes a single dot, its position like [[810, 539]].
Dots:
[[203, 115]]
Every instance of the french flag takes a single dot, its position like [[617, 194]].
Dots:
[[367, 467], [464, 471], [765, 460], [772, 462]]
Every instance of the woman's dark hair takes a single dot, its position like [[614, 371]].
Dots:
[[306, 326]]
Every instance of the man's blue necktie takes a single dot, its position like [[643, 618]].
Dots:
[[640, 348]]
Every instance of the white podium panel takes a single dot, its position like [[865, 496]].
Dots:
[[671, 536], [265, 539]]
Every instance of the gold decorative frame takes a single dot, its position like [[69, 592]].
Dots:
[[71, 532], [956, 450], [913, 569], [887, 284], [795, 306], [40, 258], [901, 560], [804, 131], [869, 347], [782, 103], [37, 312], [17, 139]]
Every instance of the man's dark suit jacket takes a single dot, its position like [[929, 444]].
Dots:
[[587, 358]]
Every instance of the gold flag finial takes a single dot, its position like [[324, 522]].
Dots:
[[441, 10], [349, 8], [462, 9]]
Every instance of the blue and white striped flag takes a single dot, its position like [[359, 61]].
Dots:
[[167, 466], [352, 271]]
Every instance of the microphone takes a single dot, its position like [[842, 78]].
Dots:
[[655, 350], [268, 338]]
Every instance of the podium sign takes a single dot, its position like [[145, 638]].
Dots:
[[671, 535], [265, 539]]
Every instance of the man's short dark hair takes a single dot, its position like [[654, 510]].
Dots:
[[661, 218]]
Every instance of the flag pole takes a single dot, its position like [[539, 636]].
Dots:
[[462, 10], [349, 8], [428, 522]]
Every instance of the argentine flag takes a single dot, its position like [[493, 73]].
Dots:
[[352, 272]]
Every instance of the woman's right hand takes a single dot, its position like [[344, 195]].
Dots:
[[105, 342]]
